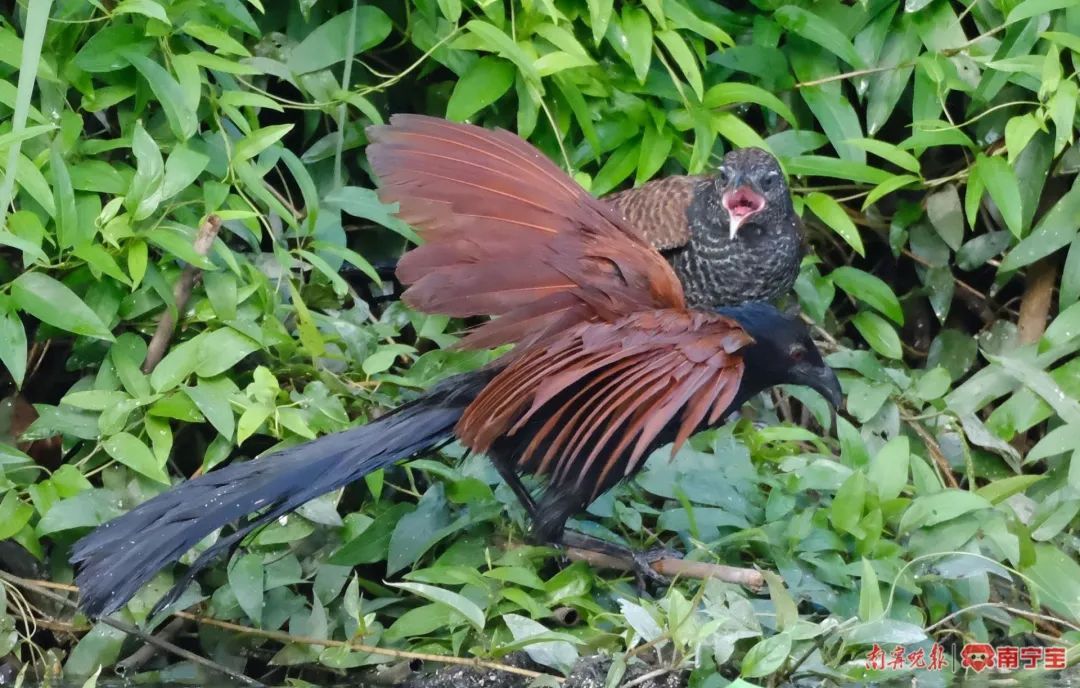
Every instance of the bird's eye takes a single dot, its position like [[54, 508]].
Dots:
[[769, 182], [797, 353], [722, 177]]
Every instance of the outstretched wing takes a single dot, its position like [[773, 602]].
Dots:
[[585, 408], [508, 234]]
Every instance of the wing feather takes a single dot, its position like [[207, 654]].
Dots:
[[508, 234], [608, 390]]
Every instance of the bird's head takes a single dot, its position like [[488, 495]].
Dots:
[[749, 183], [782, 353]]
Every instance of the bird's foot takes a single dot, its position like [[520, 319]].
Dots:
[[644, 572]]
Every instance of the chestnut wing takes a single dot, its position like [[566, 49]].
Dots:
[[587, 407], [509, 234]]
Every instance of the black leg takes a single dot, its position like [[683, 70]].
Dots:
[[639, 562], [520, 491]]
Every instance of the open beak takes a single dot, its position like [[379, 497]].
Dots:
[[741, 204]]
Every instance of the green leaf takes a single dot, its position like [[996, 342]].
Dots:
[[847, 506], [328, 43], [1030, 8], [51, 302], [833, 214], [147, 8], [181, 170], [67, 221], [929, 510], [182, 120], [638, 29], [887, 151], [684, 58], [767, 656], [133, 453], [736, 92], [599, 17], [946, 213], [1057, 228], [13, 345], [495, 40], [468, 609], [870, 607], [145, 193], [246, 578], [259, 140], [1000, 180], [215, 406], [871, 290], [556, 654], [820, 31], [486, 81], [888, 471], [879, 334], [999, 490]]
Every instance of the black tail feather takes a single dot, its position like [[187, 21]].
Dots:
[[119, 557]]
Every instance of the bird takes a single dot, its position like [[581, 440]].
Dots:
[[711, 227], [608, 362]]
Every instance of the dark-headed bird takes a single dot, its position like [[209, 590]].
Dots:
[[732, 237], [609, 363]]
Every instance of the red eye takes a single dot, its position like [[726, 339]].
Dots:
[[797, 354]]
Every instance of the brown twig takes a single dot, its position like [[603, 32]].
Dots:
[[144, 654], [43, 589], [360, 647], [1037, 300], [751, 578], [934, 449], [155, 351]]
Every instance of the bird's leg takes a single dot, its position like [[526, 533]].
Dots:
[[512, 479], [639, 562]]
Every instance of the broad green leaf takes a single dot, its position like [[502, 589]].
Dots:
[[147, 8], [182, 168], [599, 16], [51, 302], [1057, 228], [946, 214], [734, 92], [67, 221], [495, 40], [486, 81], [870, 606], [1000, 181], [133, 453], [13, 345], [820, 31], [833, 214], [847, 506], [259, 140], [106, 48], [879, 334], [946, 505], [684, 57], [458, 603], [637, 30], [888, 471], [871, 290], [1030, 8], [145, 193], [247, 580], [328, 43], [182, 120], [767, 656], [556, 654], [887, 151]]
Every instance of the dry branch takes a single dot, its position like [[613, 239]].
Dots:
[[159, 343]]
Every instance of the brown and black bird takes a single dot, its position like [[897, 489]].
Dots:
[[609, 364], [732, 237]]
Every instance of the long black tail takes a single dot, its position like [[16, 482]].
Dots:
[[120, 556]]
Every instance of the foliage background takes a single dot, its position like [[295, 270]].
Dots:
[[932, 151]]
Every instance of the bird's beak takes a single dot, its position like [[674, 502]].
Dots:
[[741, 203], [826, 383]]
